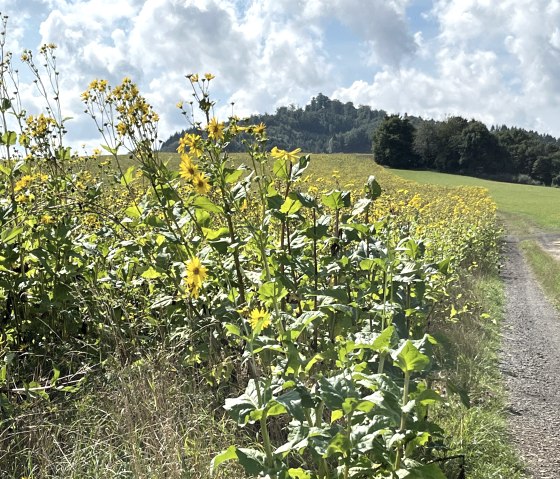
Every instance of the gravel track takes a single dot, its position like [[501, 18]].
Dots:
[[530, 362]]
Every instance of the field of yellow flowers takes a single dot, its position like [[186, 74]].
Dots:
[[304, 304]]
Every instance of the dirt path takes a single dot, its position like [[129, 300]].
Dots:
[[531, 363]]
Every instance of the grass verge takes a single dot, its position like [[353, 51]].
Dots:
[[546, 269], [148, 420], [470, 348]]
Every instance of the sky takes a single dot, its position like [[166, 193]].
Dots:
[[495, 61]]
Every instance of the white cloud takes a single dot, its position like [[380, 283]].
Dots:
[[497, 61]]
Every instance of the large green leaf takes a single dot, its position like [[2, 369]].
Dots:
[[291, 205], [409, 358], [240, 408], [336, 199]]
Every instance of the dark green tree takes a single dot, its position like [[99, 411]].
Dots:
[[393, 143]]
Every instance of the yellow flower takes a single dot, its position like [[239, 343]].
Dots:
[[196, 274], [193, 77], [25, 198], [47, 219], [215, 129], [209, 76], [259, 319], [194, 142], [201, 184], [23, 182], [259, 129], [285, 155], [187, 169]]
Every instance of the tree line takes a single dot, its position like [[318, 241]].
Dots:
[[454, 145], [457, 145]]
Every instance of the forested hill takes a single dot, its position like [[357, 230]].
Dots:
[[455, 145], [322, 126]]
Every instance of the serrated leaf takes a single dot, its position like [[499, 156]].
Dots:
[[336, 199], [409, 358]]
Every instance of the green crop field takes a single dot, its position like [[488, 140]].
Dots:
[[524, 207]]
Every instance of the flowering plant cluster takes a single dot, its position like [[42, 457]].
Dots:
[[316, 304]]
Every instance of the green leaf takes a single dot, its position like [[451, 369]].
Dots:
[[340, 444], [299, 167], [334, 391], [253, 461], [336, 199], [205, 204], [281, 168], [291, 205], [133, 212], [291, 401], [128, 176], [240, 408], [5, 105], [373, 188], [113, 151], [301, 323], [360, 206], [8, 236], [212, 235], [272, 290], [386, 340], [64, 154], [227, 455], [298, 473], [9, 138], [428, 397], [233, 329], [382, 342], [151, 273], [410, 359], [234, 175]]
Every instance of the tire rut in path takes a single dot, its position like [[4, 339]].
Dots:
[[530, 362]]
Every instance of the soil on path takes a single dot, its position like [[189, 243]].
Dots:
[[530, 362]]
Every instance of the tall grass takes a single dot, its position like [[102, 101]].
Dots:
[[476, 423], [152, 419], [546, 269]]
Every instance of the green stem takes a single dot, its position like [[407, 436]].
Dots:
[[381, 365], [266, 440], [400, 451]]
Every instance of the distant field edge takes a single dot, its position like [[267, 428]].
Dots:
[[524, 208]]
